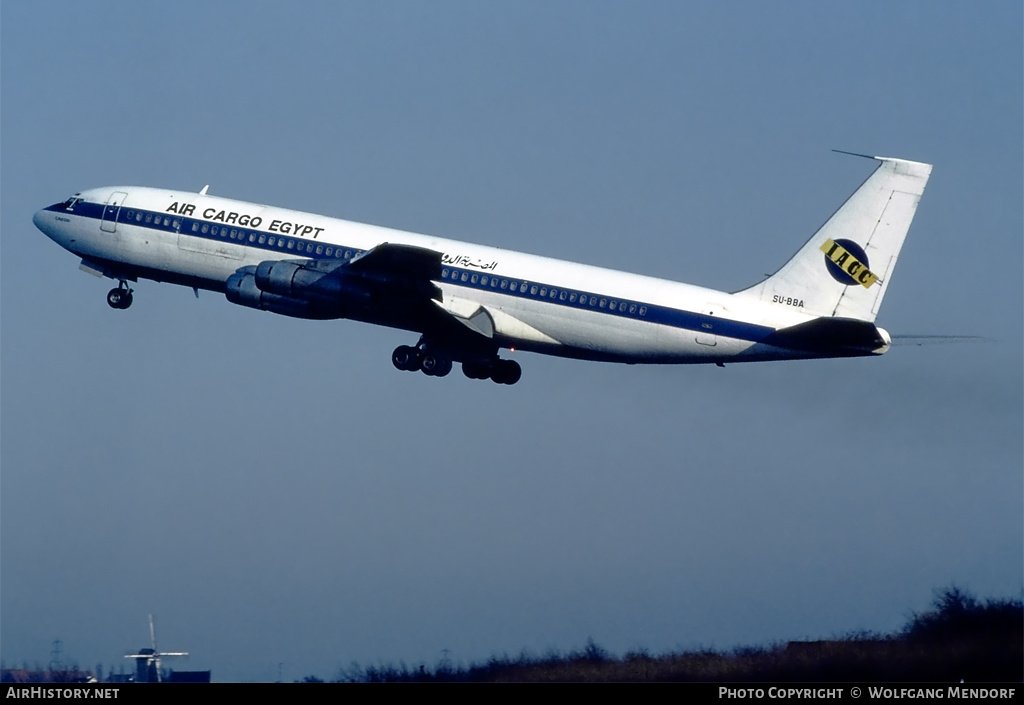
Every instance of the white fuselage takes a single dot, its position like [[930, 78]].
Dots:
[[534, 303]]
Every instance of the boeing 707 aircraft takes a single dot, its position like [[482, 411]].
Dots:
[[468, 302]]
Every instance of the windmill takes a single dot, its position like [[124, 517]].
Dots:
[[147, 661]]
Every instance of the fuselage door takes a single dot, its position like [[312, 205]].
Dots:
[[706, 334], [109, 220]]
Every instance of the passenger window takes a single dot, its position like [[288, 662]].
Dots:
[[572, 297], [561, 295], [512, 286], [632, 308], [465, 277], [149, 217], [263, 238], [206, 228], [271, 240], [483, 280], [543, 290], [602, 303], [330, 252], [643, 310], [291, 245], [195, 227], [167, 222], [138, 217], [533, 290], [504, 283], [319, 249], [444, 273], [475, 278], [213, 230]]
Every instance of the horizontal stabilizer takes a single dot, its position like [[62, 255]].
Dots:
[[832, 337]]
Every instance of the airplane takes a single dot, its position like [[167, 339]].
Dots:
[[468, 302]]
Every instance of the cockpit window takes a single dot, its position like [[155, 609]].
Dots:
[[69, 205]]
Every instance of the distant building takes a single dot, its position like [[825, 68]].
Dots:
[[189, 677]]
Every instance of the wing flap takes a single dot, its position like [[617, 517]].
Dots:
[[490, 322]]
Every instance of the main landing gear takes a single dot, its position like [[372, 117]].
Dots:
[[435, 363], [430, 363], [121, 297]]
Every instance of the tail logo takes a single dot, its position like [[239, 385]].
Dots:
[[848, 263]]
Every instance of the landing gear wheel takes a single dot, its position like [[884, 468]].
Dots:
[[435, 365], [476, 370], [507, 372], [406, 358], [119, 298]]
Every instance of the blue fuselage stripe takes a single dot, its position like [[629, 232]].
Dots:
[[284, 245]]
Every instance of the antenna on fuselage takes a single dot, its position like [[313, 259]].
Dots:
[[203, 192], [837, 151]]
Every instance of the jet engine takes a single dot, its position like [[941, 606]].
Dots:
[[242, 290], [302, 280]]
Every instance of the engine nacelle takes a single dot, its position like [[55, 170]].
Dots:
[[296, 280], [242, 290]]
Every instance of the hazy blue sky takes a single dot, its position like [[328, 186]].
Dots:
[[276, 493]]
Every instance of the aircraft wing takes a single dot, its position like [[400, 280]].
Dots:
[[390, 282], [388, 272], [414, 271], [392, 260]]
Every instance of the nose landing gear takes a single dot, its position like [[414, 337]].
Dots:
[[120, 297]]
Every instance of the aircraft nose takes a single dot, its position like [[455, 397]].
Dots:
[[44, 220]]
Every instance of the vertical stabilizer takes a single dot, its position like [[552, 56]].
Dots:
[[845, 268]]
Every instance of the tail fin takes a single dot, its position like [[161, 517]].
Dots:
[[845, 268]]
